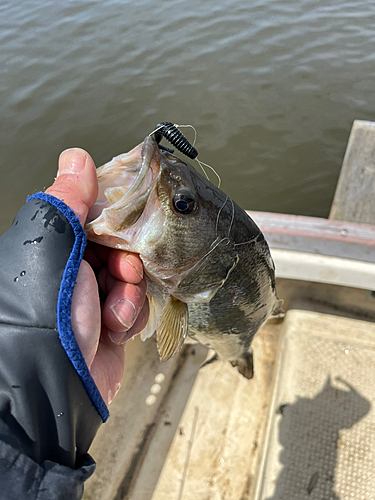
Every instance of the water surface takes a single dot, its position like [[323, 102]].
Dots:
[[271, 86]]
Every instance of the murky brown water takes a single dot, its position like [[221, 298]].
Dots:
[[271, 86]]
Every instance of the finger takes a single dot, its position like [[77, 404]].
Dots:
[[106, 280], [85, 312], [96, 255], [123, 305], [76, 182], [125, 266], [108, 366], [111, 355], [120, 338]]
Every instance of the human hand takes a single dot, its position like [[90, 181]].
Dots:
[[101, 330]]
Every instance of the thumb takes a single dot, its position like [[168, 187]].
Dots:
[[76, 183]]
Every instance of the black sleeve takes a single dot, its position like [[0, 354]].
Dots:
[[50, 407]]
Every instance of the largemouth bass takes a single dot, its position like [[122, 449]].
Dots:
[[209, 271]]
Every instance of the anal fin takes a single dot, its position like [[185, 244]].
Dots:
[[211, 357]]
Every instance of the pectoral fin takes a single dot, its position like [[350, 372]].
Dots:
[[172, 328], [155, 311]]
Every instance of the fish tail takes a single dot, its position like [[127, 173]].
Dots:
[[245, 364]]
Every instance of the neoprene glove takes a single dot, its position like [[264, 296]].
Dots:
[[50, 407]]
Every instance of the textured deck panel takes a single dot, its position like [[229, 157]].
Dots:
[[320, 442]]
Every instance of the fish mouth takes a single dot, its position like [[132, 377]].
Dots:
[[125, 184]]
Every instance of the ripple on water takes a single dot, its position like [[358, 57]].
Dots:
[[264, 83]]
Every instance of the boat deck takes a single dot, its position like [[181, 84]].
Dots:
[[178, 431], [304, 426], [320, 440]]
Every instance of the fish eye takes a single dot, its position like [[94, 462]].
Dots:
[[184, 202]]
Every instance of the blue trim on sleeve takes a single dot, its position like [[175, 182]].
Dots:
[[64, 303]]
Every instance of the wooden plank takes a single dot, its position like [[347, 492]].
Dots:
[[122, 442], [213, 450], [354, 199], [317, 236]]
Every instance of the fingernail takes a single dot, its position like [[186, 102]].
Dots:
[[71, 161], [125, 312], [118, 338], [129, 259]]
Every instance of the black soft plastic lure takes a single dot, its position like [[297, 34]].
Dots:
[[176, 138]]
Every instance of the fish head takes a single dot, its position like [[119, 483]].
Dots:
[[155, 204]]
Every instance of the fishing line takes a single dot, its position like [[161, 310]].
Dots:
[[231, 222], [219, 213], [213, 170], [201, 163], [156, 130], [246, 242], [191, 126]]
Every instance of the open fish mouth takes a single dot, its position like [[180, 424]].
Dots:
[[125, 184]]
